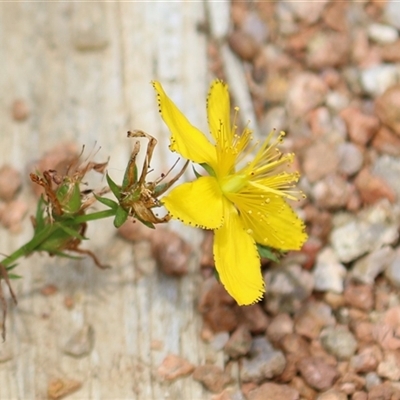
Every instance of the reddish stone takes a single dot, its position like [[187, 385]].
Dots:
[[273, 391], [359, 396], [306, 91], [239, 343], [335, 16], [12, 214], [61, 387], [20, 110], [10, 182], [298, 41], [387, 107], [363, 331], [319, 160], [367, 359], [306, 392], [317, 373], [49, 290], [311, 318], [359, 296], [227, 394], [212, 377], [386, 141], [295, 344], [328, 49], [311, 249], [290, 370], [253, 317], [171, 252], [320, 222], [280, 326], [382, 391], [373, 188], [216, 306], [391, 52], [244, 45], [361, 127], [174, 367]]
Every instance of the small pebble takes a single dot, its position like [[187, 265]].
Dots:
[[359, 296], [332, 394], [20, 110], [10, 182], [387, 108], [389, 367], [239, 343], [12, 214], [372, 379], [318, 374], [367, 268], [339, 341], [392, 272], [280, 326], [273, 391], [254, 318], [328, 272], [264, 362], [81, 343], [311, 318], [212, 377], [173, 367], [381, 33], [350, 158], [244, 45], [61, 387], [366, 360]]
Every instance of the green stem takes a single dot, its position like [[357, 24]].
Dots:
[[47, 231], [28, 247], [94, 216]]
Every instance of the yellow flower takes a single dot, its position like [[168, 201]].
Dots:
[[242, 201]]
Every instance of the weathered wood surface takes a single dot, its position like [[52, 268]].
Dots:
[[84, 70]]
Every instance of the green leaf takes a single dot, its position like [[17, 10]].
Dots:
[[72, 232], [160, 189], [209, 170], [114, 187], [39, 217], [120, 217], [14, 276], [107, 202], [216, 274], [198, 175], [146, 223], [268, 252]]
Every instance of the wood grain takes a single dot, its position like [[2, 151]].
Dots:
[[84, 72]]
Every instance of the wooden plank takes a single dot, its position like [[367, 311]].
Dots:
[[84, 70]]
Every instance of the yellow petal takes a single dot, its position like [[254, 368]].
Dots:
[[271, 220], [197, 203], [218, 111], [237, 260], [185, 138]]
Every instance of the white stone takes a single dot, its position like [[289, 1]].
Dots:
[[375, 80], [381, 33], [328, 272]]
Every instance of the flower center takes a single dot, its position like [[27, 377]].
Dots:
[[233, 183]]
